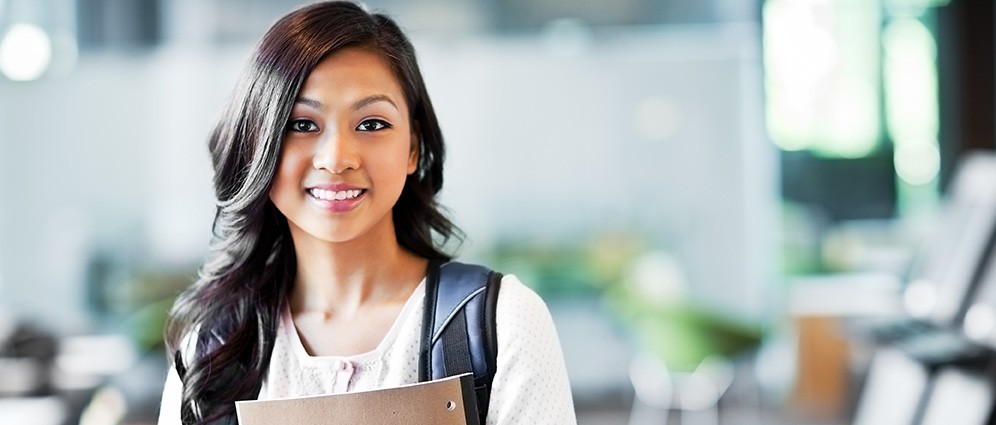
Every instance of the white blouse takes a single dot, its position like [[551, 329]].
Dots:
[[530, 385]]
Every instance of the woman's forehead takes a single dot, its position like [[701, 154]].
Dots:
[[353, 75]]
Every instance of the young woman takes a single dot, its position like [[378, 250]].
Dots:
[[327, 162]]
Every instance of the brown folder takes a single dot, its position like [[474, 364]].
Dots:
[[449, 401]]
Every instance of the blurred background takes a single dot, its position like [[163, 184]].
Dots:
[[735, 209]]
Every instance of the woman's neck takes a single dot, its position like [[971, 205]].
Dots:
[[342, 277]]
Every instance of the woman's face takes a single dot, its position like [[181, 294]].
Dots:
[[347, 150]]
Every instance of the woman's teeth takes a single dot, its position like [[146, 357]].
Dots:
[[335, 195]]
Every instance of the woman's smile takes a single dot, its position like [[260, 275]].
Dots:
[[336, 198]]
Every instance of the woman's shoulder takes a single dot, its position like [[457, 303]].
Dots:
[[513, 288], [514, 295]]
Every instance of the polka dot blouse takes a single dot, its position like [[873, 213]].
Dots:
[[530, 385]]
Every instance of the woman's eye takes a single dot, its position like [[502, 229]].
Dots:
[[373, 125], [303, 126]]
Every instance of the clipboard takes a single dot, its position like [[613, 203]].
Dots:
[[448, 401]]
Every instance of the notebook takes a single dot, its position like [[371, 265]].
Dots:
[[449, 401]]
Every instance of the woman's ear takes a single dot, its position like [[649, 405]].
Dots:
[[413, 150]]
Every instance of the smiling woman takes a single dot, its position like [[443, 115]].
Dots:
[[327, 163]]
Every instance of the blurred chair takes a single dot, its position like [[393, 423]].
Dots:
[[966, 394], [927, 364], [943, 277], [959, 395], [893, 390]]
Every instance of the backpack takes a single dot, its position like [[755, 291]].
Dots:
[[458, 329]]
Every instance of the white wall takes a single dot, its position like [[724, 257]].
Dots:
[[111, 160], [657, 132]]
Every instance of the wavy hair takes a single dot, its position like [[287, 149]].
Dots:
[[225, 323]]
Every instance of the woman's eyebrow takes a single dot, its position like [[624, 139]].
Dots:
[[374, 99], [312, 103], [359, 104]]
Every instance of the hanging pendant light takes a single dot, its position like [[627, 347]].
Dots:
[[25, 52]]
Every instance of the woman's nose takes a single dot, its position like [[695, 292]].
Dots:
[[336, 153]]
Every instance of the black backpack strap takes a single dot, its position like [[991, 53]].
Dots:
[[458, 328]]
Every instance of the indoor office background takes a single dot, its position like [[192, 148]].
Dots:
[[738, 211]]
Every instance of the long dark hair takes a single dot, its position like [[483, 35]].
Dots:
[[225, 323]]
